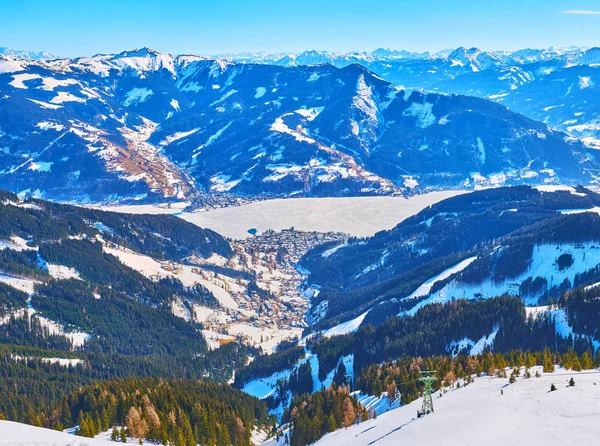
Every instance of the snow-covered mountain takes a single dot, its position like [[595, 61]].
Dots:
[[26, 54], [147, 125], [496, 75]]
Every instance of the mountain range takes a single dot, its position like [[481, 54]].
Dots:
[[143, 125], [554, 85]]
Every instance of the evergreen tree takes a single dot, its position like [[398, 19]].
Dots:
[[586, 360], [331, 426]]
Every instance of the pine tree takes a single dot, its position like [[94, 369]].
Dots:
[[331, 426], [548, 361], [586, 360], [186, 427], [105, 420], [180, 438], [114, 436], [123, 435]]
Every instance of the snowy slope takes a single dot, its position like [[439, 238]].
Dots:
[[527, 414], [543, 265], [17, 434], [346, 327]]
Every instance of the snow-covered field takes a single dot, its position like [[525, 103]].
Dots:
[[526, 414]]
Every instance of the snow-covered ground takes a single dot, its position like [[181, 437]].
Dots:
[[17, 434], [526, 414], [25, 285], [267, 338]]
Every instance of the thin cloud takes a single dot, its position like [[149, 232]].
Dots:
[[581, 12]]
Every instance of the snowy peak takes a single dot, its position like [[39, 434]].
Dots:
[[144, 60], [474, 58], [591, 56], [26, 54]]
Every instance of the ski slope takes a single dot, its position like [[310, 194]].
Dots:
[[346, 327], [527, 414]]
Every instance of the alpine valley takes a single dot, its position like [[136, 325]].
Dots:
[[442, 216]]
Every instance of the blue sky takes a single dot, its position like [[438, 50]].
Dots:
[[85, 27]]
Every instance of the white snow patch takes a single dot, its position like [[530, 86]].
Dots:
[[46, 125], [585, 82], [329, 252], [45, 104], [480, 151], [298, 134], [556, 188], [19, 79], [40, 166], [61, 272], [423, 113], [260, 92], [137, 96], [25, 285], [310, 113], [62, 96], [177, 136], [543, 264]]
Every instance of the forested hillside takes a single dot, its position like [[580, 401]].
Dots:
[[72, 313], [165, 411], [497, 230]]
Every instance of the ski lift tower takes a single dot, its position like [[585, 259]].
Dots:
[[428, 377]]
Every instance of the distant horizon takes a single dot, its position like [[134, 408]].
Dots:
[[71, 28], [240, 53]]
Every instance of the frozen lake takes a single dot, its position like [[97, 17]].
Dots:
[[359, 216]]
